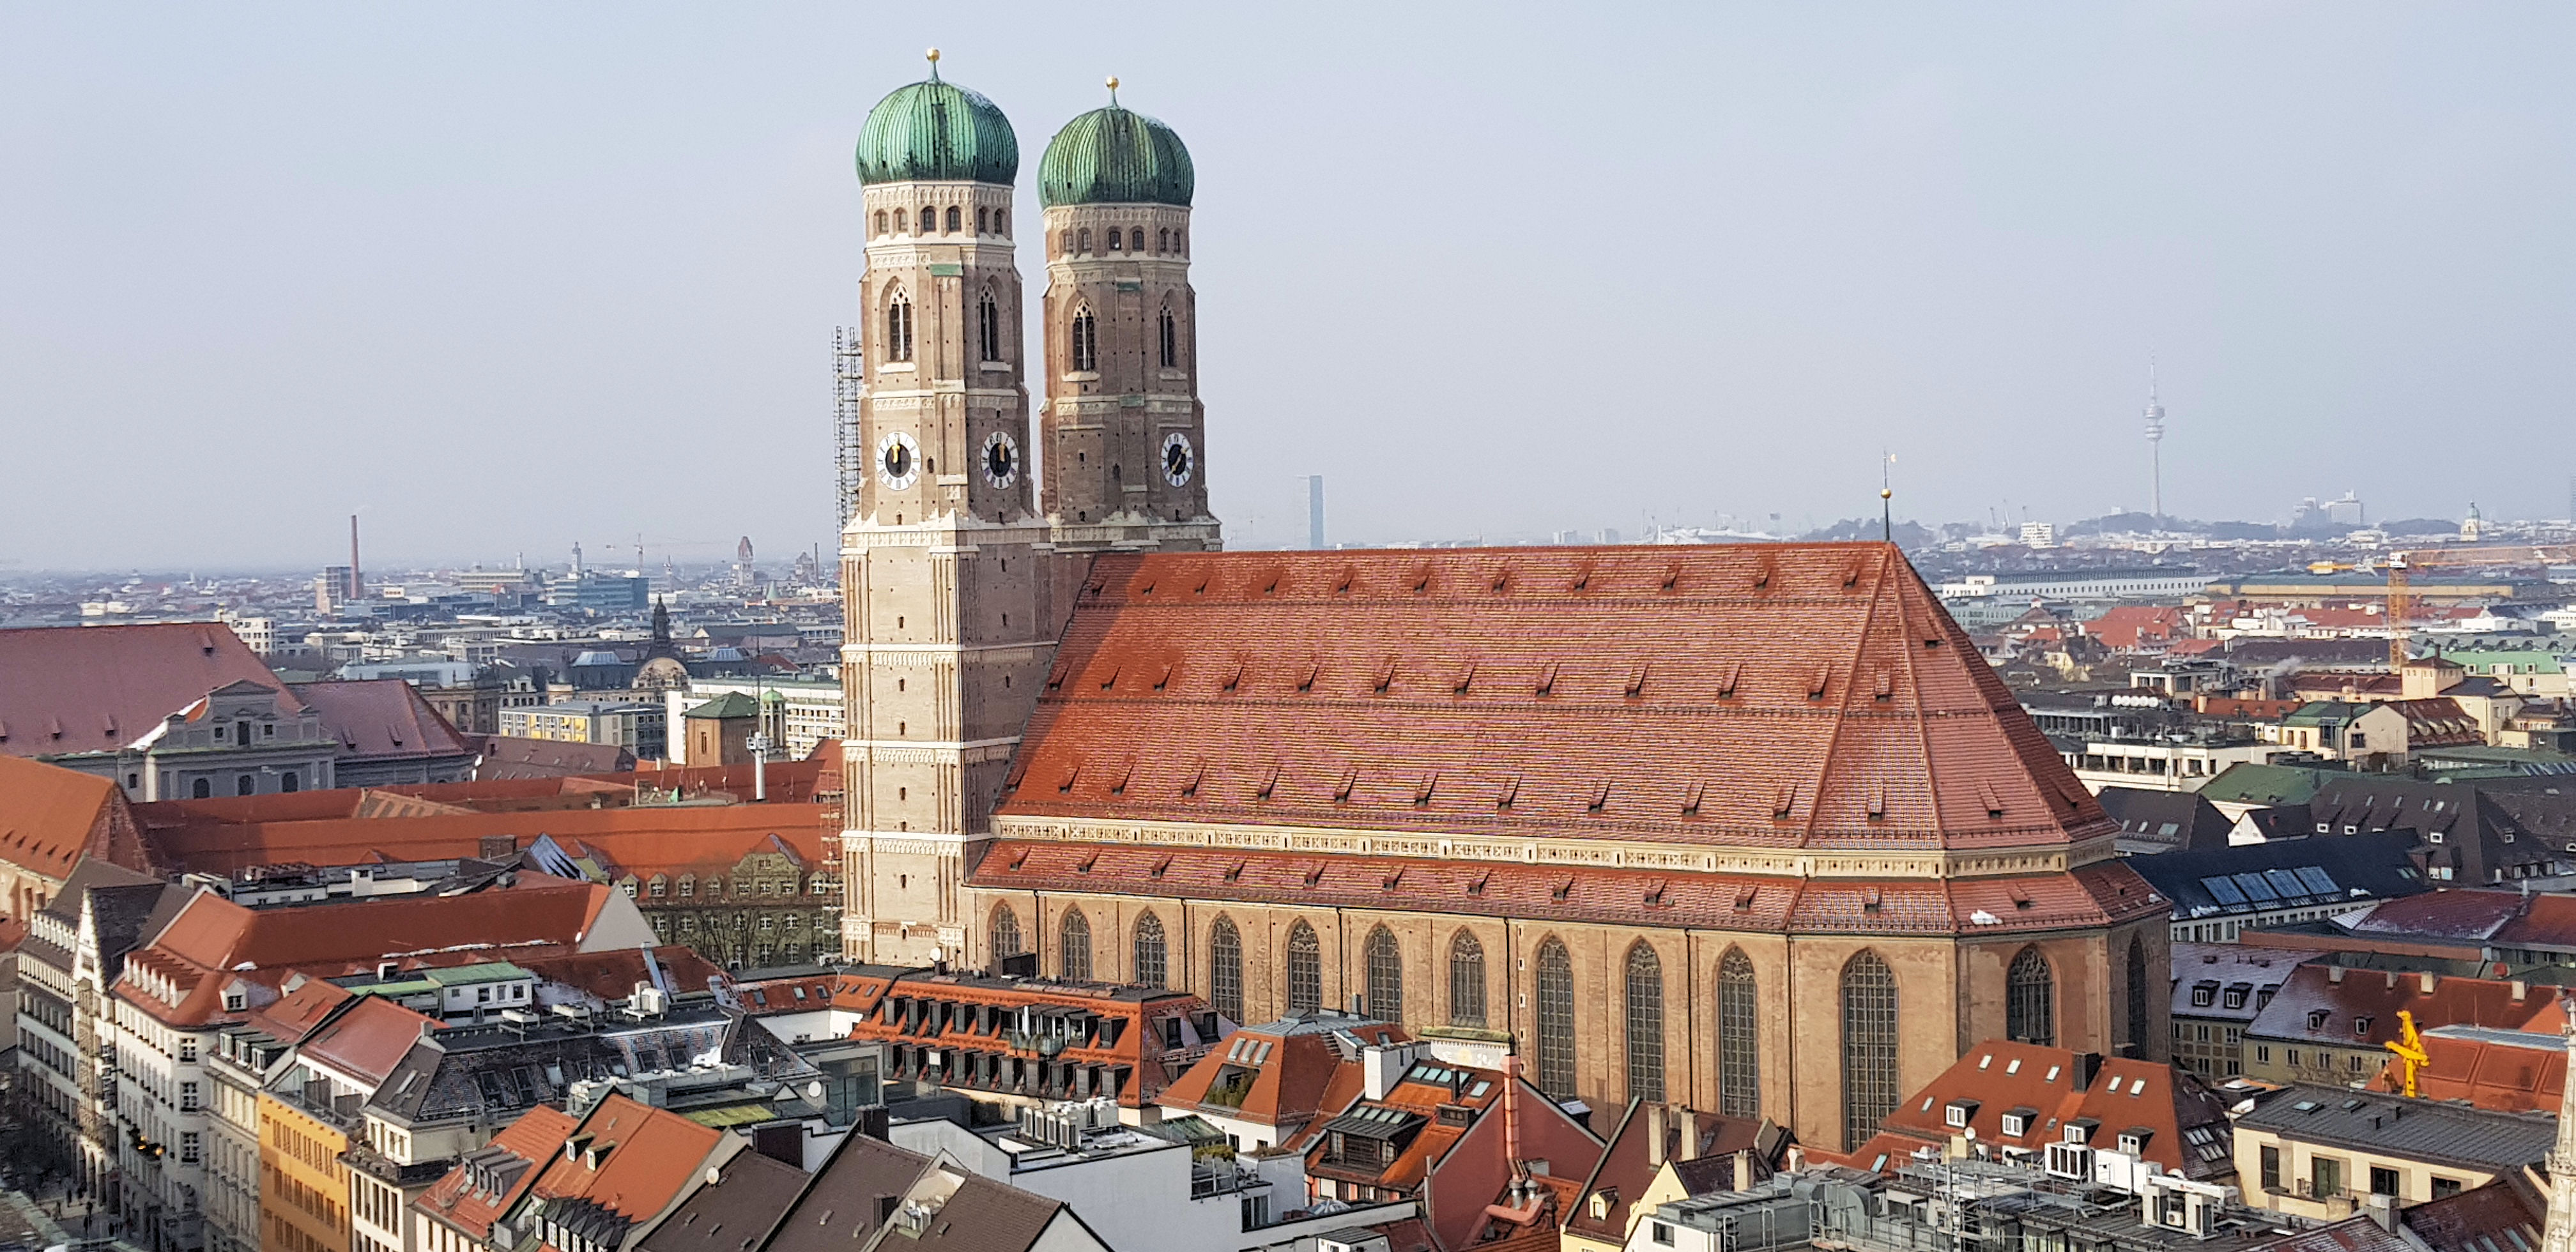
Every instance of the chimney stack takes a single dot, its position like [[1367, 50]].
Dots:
[[1744, 1168], [1655, 1134], [357, 580]]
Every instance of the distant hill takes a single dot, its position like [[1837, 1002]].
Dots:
[[1906, 534]]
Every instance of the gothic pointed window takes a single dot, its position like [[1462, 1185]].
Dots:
[[2030, 1000], [2137, 997], [1171, 328], [1555, 1019], [988, 327], [956, 221], [1385, 976], [1005, 928], [1305, 970], [1869, 1046], [1225, 970], [1645, 1024], [1739, 1055], [1466, 981], [1153, 964], [898, 326], [1086, 339], [1073, 957]]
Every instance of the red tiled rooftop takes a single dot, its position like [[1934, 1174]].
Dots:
[[638, 839], [50, 817], [100, 688], [382, 718], [1791, 695]]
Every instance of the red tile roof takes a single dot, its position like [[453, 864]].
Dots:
[[536, 1138], [1789, 695], [649, 1160], [50, 817], [2185, 1123], [381, 719], [2512, 1070], [100, 688], [368, 1040], [641, 840], [1282, 1074]]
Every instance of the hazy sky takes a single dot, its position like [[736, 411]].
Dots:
[[504, 277]]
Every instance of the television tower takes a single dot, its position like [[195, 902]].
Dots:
[[2155, 446]]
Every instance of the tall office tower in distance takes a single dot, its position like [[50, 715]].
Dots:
[[2155, 448]]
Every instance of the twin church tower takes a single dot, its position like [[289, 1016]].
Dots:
[[969, 535]]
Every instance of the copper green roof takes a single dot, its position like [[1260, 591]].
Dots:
[[937, 132], [730, 704], [1114, 155]]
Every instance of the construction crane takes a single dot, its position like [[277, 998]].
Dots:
[[2403, 563], [2409, 1047]]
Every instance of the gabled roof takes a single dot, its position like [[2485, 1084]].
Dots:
[[1783, 695], [2249, 977], [1703, 1142], [2523, 1071], [2183, 1122], [1283, 1073], [639, 840], [620, 1167], [66, 690], [2357, 1008], [2247, 879], [508, 757], [2165, 820], [51, 817], [368, 1040], [2506, 1215], [729, 705], [515, 1154], [381, 719], [751, 1193]]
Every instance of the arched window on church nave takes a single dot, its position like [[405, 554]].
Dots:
[[1073, 956], [1005, 930], [1869, 1046], [1225, 969], [956, 220], [1305, 970], [1554, 1019], [1153, 960], [1739, 1046], [1136, 240], [2030, 1000], [1385, 976], [1645, 1024], [1086, 339], [2138, 987], [881, 221], [898, 326], [988, 327], [1466, 981], [1171, 335]]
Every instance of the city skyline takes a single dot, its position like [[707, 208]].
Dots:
[[1951, 234]]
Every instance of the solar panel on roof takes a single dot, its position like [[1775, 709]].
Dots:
[[2318, 881], [2223, 890], [2255, 887], [2285, 882]]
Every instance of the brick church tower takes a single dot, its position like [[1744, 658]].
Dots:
[[1124, 430], [947, 628]]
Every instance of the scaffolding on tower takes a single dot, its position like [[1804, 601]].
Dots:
[[849, 384]]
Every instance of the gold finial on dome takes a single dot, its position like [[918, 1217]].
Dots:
[[1113, 89], [933, 54]]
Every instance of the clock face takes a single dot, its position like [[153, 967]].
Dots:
[[1001, 459], [898, 459], [1178, 460]]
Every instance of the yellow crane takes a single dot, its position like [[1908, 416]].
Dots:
[[2409, 1047], [2402, 564]]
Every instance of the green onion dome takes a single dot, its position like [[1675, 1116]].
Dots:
[[931, 131], [1114, 155]]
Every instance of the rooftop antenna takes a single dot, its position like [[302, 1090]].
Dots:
[[1886, 497], [2155, 446]]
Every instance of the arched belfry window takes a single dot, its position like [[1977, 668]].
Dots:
[[902, 222], [1162, 240], [1645, 1024], [1082, 240], [1171, 334], [1385, 976], [1305, 970], [1136, 240], [1117, 239], [898, 326], [1086, 339], [881, 221], [983, 220], [929, 218], [1739, 1045], [1225, 970], [1869, 1046], [1554, 1019], [2030, 1000], [1073, 960], [1153, 960], [1006, 933], [988, 327], [1466, 981], [956, 221], [1001, 221]]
